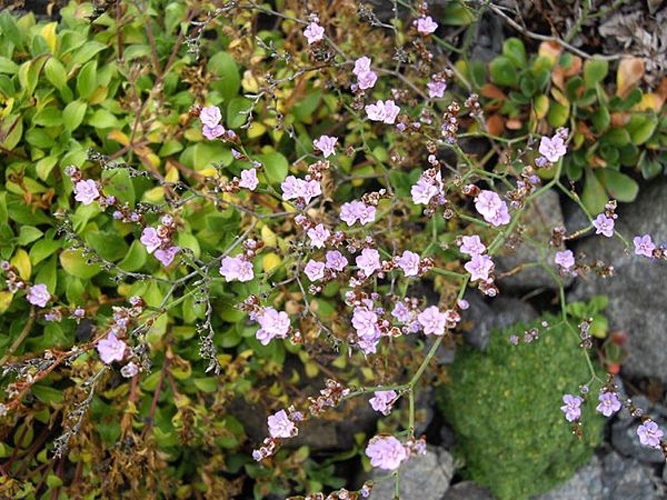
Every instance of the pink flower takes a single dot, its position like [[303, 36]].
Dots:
[[336, 260], [644, 245], [313, 33], [314, 270], [386, 452], [650, 434], [86, 191], [428, 186], [479, 267], [609, 403], [367, 80], [432, 321], [38, 295], [552, 148], [150, 239], [166, 255], [361, 66], [273, 324], [213, 132], [326, 144], [426, 25], [565, 259], [492, 208], [383, 401], [472, 245], [436, 89], [249, 179], [318, 236], [604, 225], [571, 407], [364, 322], [280, 426], [409, 263], [383, 111], [401, 312], [306, 190], [210, 116], [369, 261], [354, 211], [236, 268], [111, 349]]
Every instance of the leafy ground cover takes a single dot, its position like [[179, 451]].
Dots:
[[207, 203]]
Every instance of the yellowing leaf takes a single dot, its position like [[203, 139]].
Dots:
[[268, 237], [249, 82], [154, 195], [650, 101], [171, 174], [21, 261], [256, 130], [119, 137], [49, 34], [270, 262], [5, 300], [209, 172], [551, 50], [630, 71]]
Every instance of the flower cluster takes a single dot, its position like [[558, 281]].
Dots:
[[366, 77], [282, 425], [553, 148], [492, 208], [388, 453], [302, 190], [429, 189], [112, 348], [158, 241], [383, 111], [383, 401], [210, 117]]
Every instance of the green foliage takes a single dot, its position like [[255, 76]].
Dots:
[[616, 136], [504, 407]]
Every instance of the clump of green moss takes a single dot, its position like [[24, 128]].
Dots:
[[504, 406]]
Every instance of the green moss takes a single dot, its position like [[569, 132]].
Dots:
[[504, 406]]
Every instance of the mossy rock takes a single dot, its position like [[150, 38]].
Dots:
[[504, 406]]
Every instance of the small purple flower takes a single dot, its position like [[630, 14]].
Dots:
[[210, 116], [401, 312], [383, 111], [213, 132], [38, 295], [313, 33], [427, 187], [150, 239], [604, 225], [356, 210], [129, 370], [111, 349], [273, 324], [565, 259], [609, 403], [86, 191], [294, 188], [436, 89], [492, 208], [314, 270], [479, 267], [236, 268], [571, 407], [432, 321], [649, 434], [336, 260], [280, 426], [364, 322], [318, 236], [386, 452], [552, 148], [249, 179], [409, 263], [326, 144], [166, 255], [369, 261], [425, 25], [472, 245], [383, 401], [644, 245]]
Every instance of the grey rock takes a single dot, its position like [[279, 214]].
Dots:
[[468, 490], [586, 484], [539, 218], [637, 292], [425, 477], [501, 312], [626, 479]]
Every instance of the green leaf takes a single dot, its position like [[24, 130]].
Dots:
[[275, 166], [641, 127], [28, 234], [48, 117], [73, 114], [224, 67], [135, 258], [169, 148], [237, 112], [616, 137], [558, 114], [457, 13], [208, 384], [620, 186], [601, 119], [106, 244], [102, 118], [595, 71], [55, 73], [202, 154], [304, 109], [45, 166], [8, 66], [503, 72], [86, 80], [85, 53], [11, 131], [10, 30], [75, 264], [478, 73], [43, 249], [29, 73], [594, 195], [515, 51]]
